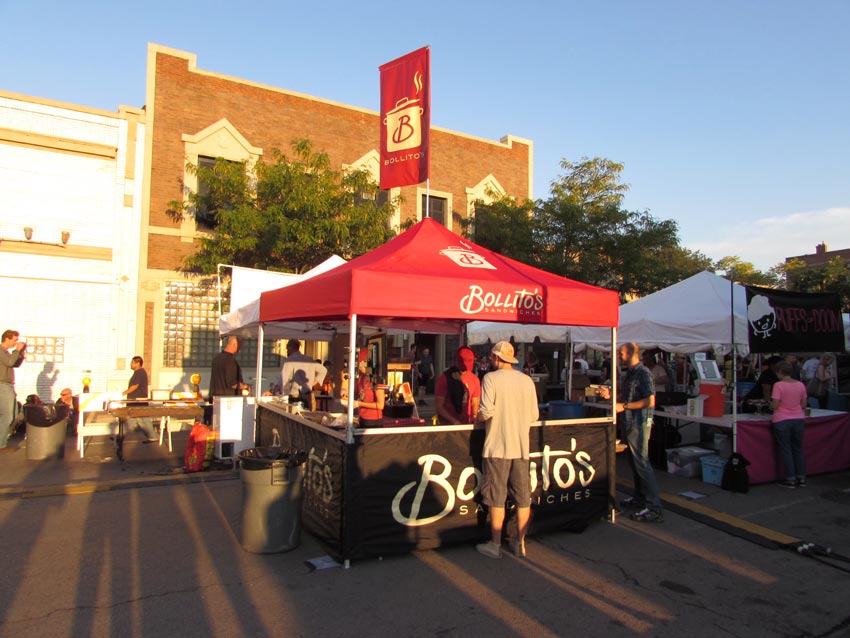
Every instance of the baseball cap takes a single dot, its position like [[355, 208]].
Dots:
[[505, 351]]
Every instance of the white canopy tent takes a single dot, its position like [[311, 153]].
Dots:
[[244, 321], [691, 316]]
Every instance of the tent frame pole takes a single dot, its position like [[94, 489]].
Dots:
[[352, 364]]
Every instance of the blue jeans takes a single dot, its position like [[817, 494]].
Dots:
[[646, 489], [8, 402], [789, 438]]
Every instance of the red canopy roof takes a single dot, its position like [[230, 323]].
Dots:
[[431, 280]]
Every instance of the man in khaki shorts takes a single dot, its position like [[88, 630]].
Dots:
[[508, 408]]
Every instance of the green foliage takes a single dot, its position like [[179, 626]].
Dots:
[[504, 227], [834, 276], [745, 273], [594, 184], [287, 214], [581, 232]]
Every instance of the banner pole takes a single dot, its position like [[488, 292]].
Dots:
[[352, 368], [734, 368], [427, 198]]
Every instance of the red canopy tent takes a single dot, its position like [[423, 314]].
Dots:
[[432, 280]]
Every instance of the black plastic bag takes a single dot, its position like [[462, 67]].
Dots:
[[735, 475]]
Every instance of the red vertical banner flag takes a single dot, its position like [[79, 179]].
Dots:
[[406, 119]]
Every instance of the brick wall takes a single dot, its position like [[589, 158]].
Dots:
[[187, 101]]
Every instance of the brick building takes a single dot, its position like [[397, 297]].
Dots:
[[196, 115]]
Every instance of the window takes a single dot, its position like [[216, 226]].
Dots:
[[438, 208], [380, 199], [204, 213], [190, 329]]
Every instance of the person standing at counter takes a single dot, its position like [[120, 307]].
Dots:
[[788, 399], [137, 389], [425, 367], [12, 354], [370, 399], [226, 373], [508, 408], [638, 392], [818, 386], [457, 392]]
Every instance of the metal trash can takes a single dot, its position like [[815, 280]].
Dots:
[[46, 427], [272, 493]]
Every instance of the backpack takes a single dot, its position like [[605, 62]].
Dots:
[[735, 475]]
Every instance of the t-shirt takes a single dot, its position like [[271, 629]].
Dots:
[[508, 407], [425, 365], [140, 378], [791, 395], [473, 390], [225, 373], [810, 367]]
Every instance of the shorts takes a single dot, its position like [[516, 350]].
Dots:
[[505, 478]]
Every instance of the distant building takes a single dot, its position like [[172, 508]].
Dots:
[[822, 255]]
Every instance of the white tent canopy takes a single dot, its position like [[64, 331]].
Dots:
[[244, 321], [690, 316]]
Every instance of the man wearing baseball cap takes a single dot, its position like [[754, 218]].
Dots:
[[508, 408], [458, 390]]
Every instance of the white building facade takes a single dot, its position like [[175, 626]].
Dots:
[[71, 182]]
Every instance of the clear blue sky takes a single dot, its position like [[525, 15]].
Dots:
[[731, 117]]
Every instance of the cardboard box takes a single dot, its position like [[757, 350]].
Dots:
[[685, 461], [712, 469]]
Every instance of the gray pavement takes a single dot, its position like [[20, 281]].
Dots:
[[94, 547]]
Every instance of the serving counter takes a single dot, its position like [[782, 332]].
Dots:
[[826, 442], [396, 489]]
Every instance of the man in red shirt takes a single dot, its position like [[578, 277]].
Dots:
[[458, 390]]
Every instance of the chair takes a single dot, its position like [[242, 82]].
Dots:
[[94, 420]]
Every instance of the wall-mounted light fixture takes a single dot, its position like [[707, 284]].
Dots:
[[28, 232], [66, 235]]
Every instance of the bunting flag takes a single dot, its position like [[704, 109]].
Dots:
[[784, 321], [406, 119]]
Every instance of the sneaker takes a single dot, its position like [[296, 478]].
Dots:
[[647, 516], [518, 548], [801, 482], [632, 503], [489, 549], [787, 483]]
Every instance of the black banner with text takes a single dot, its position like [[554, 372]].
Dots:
[[419, 490], [783, 321]]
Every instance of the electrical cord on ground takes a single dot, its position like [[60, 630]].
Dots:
[[821, 553]]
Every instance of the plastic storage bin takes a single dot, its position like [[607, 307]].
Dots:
[[566, 410], [712, 469], [685, 461], [272, 484]]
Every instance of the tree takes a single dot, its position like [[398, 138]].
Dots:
[[287, 214], [594, 184], [742, 272], [504, 226], [834, 276]]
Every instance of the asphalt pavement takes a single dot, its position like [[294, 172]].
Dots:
[[97, 547]]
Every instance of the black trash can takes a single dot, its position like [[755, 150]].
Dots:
[[46, 427], [272, 484]]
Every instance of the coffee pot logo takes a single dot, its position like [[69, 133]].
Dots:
[[467, 258], [404, 125]]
